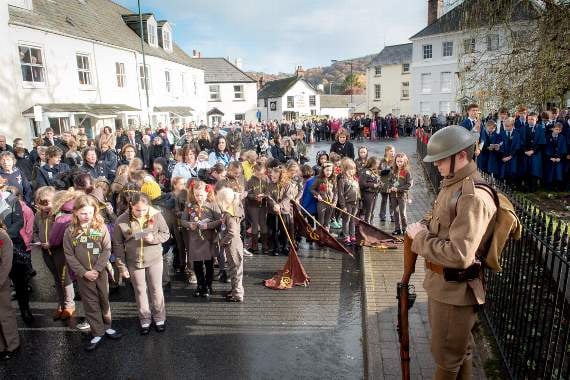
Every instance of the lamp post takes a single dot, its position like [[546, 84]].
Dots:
[[144, 64], [351, 77]]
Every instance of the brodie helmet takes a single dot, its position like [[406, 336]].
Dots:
[[447, 142]]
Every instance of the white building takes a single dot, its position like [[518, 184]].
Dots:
[[448, 57], [70, 62], [388, 80], [232, 94], [341, 106], [289, 98]]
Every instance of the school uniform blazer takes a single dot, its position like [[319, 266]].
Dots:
[[467, 124], [87, 251], [556, 149]]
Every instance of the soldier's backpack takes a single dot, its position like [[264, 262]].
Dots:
[[507, 225]]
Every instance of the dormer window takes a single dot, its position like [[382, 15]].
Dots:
[[152, 37], [166, 40]]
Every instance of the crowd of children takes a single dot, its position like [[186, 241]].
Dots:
[[97, 234], [528, 150]]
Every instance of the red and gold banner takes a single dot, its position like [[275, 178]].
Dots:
[[293, 274], [318, 234]]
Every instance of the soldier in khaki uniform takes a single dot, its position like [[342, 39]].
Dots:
[[451, 243]]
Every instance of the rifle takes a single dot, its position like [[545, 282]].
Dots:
[[405, 293]]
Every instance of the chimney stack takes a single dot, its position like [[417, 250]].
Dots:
[[260, 82], [300, 71], [199, 54], [194, 55], [435, 10]]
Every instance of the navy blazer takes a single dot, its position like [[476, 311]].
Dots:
[[467, 124]]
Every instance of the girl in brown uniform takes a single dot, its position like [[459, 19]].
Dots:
[[230, 240], [9, 339], [385, 182], [137, 243], [53, 258], [401, 184], [369, 182], [201, 220], [87, 247], [324, 189], [256, 206], [280, 193], [348, 198], [362, 159]]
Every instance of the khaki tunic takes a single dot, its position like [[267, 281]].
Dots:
[[455, 243], [231, 242], [281, 195], [9, 338], [137, 253], [201, 243]]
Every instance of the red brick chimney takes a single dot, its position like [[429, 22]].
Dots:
[[300, 71], [435, 9]]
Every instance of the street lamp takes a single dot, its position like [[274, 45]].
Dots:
[[351, 77], [145, 73]]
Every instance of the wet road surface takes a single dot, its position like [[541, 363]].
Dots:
[[302, 333]]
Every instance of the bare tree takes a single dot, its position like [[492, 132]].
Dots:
[[515, 52]]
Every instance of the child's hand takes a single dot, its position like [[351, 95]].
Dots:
[[277, 208], [45, 245], [125, 274], [203, 225], [193, 226], [91, 275], [149, 238], [319, 198]]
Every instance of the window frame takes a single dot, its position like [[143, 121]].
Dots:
[[425, 89], [490, 39], [405, 85], [167, 81], [120, 75], [42, 66], [166, 32], [290, 101], [240, 92], [377, 91], [241, 117], [425, 49], [378, 71], [218, 92], [312, 100], [85, 57], [151, 26], [447, 46], [404, 71], [145, 79], [469, 45], [441, 82]]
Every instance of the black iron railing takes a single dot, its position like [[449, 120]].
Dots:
[[528, 302]]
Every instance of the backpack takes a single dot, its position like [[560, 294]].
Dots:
[[507, 225]]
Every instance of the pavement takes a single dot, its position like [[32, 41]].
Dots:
[[382, 269], [342, 326]]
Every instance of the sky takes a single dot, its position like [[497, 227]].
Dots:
[[277, 35]]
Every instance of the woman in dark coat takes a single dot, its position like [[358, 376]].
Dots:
[[342, 146]]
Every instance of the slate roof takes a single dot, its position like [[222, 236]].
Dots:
[[220, 70], [278, 88], [393, 55], [98, 20], [468, 13], [340, 101], [93, 109]]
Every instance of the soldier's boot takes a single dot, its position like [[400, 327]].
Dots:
[[466, 370], [254, 245], [441, 374]]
